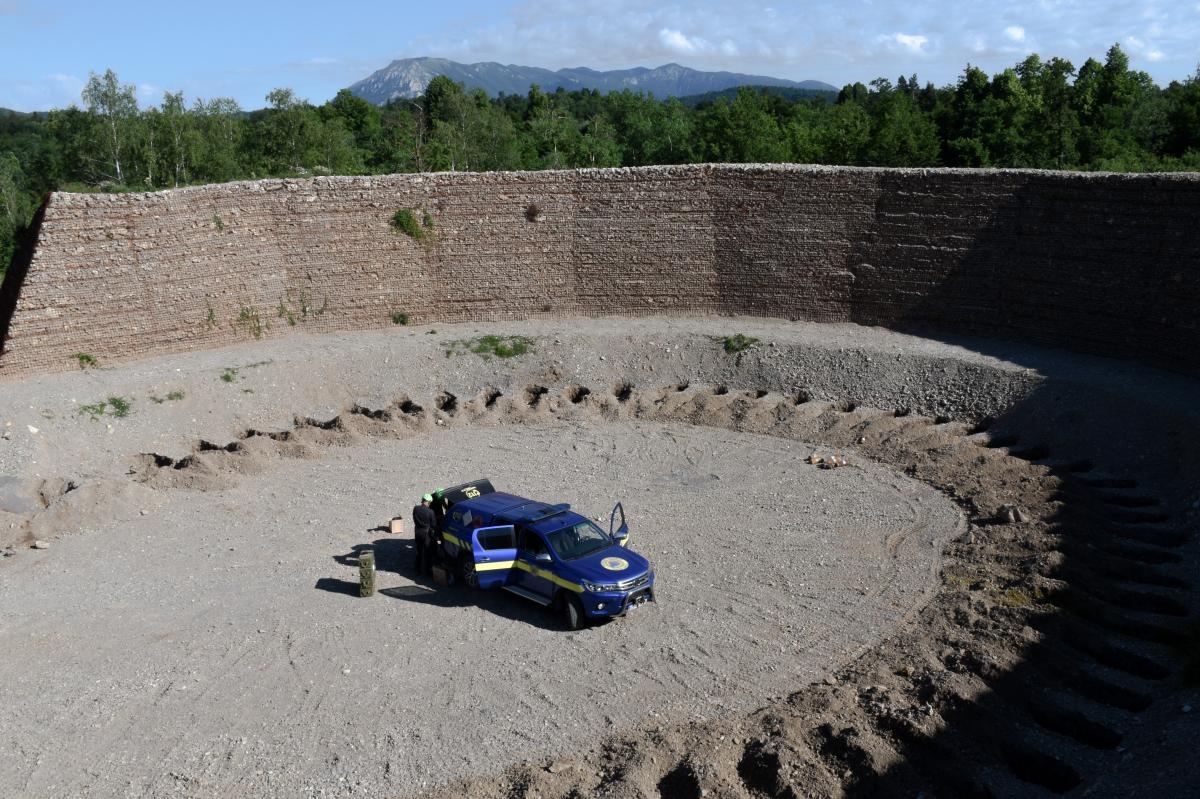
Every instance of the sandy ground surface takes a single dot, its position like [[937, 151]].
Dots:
[[201, 642], [208, 648]]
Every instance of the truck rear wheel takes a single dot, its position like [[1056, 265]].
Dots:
[[467, 573]]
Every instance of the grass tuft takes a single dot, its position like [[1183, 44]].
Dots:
[[250, 318], [95, 410], [738, 342], [957, 580], [86, 361], [399, 318], [490, 346], [1020, 597], [120, 406], [284, 312], [117, 406]]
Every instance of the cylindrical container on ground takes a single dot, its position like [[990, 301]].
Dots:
[[366, 572]]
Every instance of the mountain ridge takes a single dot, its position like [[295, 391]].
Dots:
[[407, 78]]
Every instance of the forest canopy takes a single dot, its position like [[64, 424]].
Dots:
[[1036, 114]]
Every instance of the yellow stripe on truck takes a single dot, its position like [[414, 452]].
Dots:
[[491, 567], [549, 575], [519, 564]]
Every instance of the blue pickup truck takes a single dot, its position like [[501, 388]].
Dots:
[[546, 553]]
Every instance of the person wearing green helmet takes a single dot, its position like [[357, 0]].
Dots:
[[425, 534]]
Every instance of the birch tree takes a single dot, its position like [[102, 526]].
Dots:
[[116, 105]]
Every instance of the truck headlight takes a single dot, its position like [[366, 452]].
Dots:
[[596, 588]]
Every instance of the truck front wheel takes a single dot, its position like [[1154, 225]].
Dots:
[[571, 612]]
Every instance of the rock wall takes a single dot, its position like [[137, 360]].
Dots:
[[1098, 263]]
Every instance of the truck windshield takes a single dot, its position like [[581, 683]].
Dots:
[[578, 540]]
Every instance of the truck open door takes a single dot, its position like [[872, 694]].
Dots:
[[617, 528], [493, 549]]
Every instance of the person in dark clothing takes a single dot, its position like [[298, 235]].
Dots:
[[425, 533]]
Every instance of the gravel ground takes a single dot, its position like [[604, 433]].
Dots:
[[210, 648], [181, 642]]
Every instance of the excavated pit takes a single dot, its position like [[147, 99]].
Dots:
[[217, 541]]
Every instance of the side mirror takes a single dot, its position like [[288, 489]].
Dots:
[[542, 557]]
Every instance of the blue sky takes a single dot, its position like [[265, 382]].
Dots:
[[244, 49]]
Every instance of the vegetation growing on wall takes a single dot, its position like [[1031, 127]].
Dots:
[[405, 221], [1038, 113]]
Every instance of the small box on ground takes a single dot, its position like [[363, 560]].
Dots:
[[397, 527]]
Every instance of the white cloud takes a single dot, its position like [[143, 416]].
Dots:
[[913, 42], [675, 40], [1140, 48], [837, 42]]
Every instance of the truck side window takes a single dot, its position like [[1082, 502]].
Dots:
[[496, 539], [531, 543]]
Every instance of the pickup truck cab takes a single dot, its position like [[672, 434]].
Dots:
[[546, 553]]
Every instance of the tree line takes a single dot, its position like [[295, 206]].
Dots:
[[1036, 114]]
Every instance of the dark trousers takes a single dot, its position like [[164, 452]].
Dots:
[[425, 552]]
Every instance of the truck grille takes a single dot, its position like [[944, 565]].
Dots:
[[636, 582]]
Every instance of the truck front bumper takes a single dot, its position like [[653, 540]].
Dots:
[[605, 604]]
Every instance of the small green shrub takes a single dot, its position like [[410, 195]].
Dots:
[[399, 318], [210, 319], [229, 375], [218, 223], [738, 342], [175, 395], [86, 361], [405, 221], [488, 346]]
